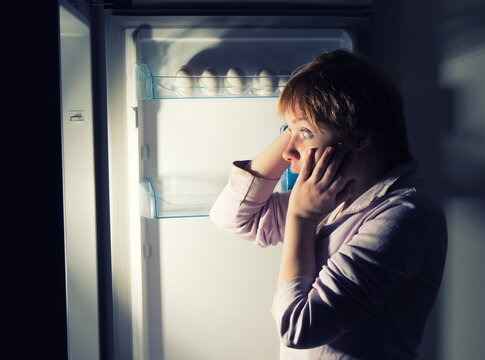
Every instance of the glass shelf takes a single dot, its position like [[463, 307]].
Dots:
[[151, 86], [179, 196], [184, 196]]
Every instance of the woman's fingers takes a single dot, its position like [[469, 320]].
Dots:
[[322, 182], [307, 165], [323, 169], [322, 163], [334, 166]]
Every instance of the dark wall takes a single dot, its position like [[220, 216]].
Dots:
[[34, 306], [436, 49]]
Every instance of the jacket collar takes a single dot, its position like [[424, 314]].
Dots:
[[381, 188]]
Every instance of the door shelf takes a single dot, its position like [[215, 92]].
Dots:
[[179, 195], [151, 86]]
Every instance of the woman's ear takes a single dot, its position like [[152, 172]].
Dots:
[[363, 142]]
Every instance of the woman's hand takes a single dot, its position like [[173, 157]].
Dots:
[[323, 183], [269, 164]]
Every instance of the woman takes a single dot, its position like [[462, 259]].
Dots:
[[363, 246]]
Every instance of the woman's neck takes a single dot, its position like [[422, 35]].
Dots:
[[369, 171]]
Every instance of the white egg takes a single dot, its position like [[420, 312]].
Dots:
[[283, 78], [255, 82], [267, 82], [235, 81], [184, 82], [209, 82]]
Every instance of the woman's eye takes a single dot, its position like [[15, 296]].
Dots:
[[306, 134]]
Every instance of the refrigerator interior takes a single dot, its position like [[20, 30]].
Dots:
[[194, 290]]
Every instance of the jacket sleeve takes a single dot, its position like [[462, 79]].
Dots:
[[249, 208], [356, 281]]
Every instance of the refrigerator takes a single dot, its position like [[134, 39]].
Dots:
[[158, 99]]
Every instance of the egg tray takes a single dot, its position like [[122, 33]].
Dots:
[[151, 86], [169, 87]]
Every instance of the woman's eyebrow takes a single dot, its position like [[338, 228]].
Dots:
[[307, 124]]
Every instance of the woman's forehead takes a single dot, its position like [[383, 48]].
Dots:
[[293, 116], [293, 120]]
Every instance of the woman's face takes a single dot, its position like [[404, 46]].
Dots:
[[305, 136]]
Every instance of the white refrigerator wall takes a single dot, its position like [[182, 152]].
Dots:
[[204, 293]]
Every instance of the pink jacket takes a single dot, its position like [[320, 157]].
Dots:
[[381, 262]]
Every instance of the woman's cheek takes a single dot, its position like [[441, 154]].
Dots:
[[321, 149]]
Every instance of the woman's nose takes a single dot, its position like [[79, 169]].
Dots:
[[291, 153]]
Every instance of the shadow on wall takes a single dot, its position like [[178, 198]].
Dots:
[[437, 50]]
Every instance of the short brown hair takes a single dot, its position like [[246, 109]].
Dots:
[[344, 91]]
